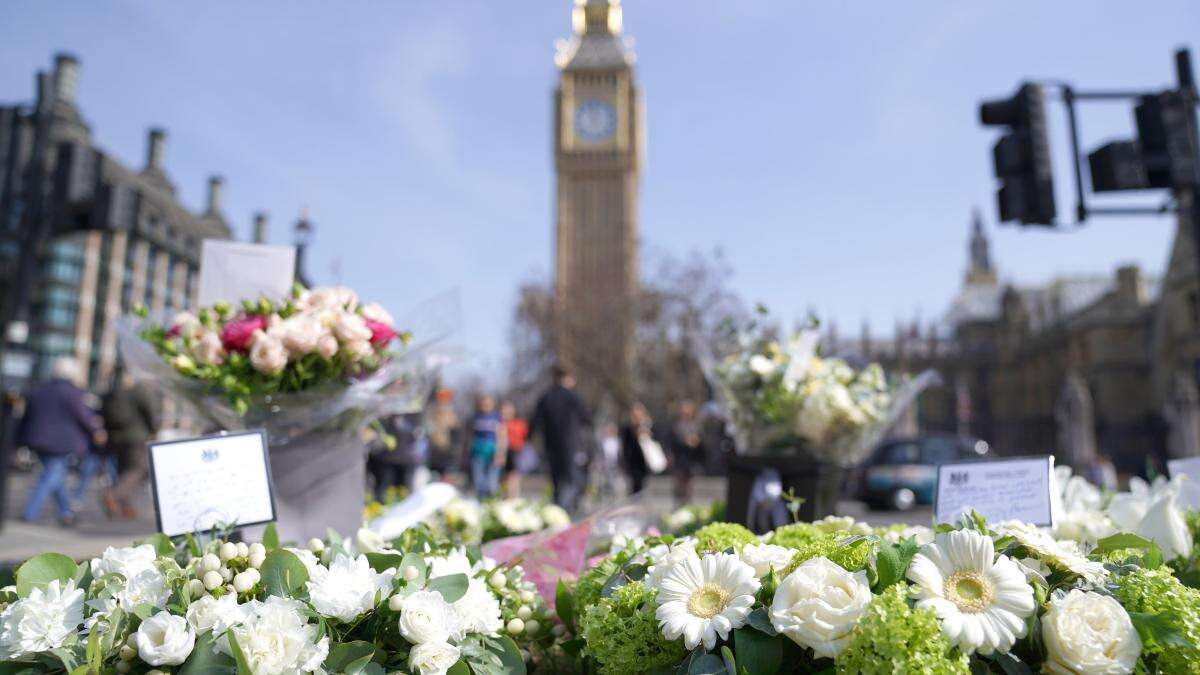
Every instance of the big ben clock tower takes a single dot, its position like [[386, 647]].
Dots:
[[597, 152]]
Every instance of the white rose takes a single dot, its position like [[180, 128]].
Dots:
[[426, 617], [301, 334], [327, 346], [267, 354], [432, 658], [208, 349], [216, 614], [819, 604], [766, 557], [126, 561], [348, 588], [42, 621], [1088, 634], [164, 639], [351, 327], [359, 349], [375, 312]]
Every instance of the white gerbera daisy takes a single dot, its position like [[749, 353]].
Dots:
[[981, 600], [702, 598], [1063, 554]]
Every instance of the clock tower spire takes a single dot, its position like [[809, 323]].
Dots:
[[597, 152]]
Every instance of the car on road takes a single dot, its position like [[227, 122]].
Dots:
[[902, 473]]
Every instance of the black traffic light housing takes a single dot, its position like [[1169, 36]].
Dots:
[[1022, 157], [1162, 123]]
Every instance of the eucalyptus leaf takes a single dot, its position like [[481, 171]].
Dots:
[[757, 652], [40, 570], [349, 657], [564, 604], [452, 586], [382, 561], [243, 668], [707, 664], [283, 573], [270, 538], [205, 659], [760, 621]]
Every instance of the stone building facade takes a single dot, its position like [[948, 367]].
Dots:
[[1032, 369]]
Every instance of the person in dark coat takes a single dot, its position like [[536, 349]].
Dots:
[[131, 417], [685, 446], [561, 418], [57, 426], [633, 456]]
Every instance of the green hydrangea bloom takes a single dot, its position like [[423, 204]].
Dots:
[[851, 558], [720, 536], [1158, 592], [623, 635], [892, 637], [797, 535], [591, 582]]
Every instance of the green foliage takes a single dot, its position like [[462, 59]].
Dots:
[[591, 583], [452, 586], [758, 653], [892, 637], [40, 570], [1155, 591], [797, 535], [718, 537], [891, 563], [852, 555], [623, 635], [283, 573]]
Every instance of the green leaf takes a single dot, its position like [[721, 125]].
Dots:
[[758, 653], [382, 561], [349, 657], [564, 604], [270, 538], [243, 668], [93, 655], [892, 561], [760, 621], [40, 570], [1116, 542], [730, 663], [1160, 628], [452, 586], [417, 561], [21, 668], [1010, 664], [163, 546], [283, 574], [511, 662], [459, 668], [205, 659], [707, 664]]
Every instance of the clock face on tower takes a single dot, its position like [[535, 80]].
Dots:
[[595, 120]]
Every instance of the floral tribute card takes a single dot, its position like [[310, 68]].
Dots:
[[999, 489]]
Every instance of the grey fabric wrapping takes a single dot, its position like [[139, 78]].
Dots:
[[319, 480]]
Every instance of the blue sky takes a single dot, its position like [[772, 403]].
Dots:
[[830, 149]]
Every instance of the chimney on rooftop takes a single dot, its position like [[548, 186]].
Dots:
[[1131, 285], [66, 76], [215, 184], [260, 228], [155, 148]]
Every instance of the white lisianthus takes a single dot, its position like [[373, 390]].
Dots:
[[766, 557], [426, 617], [819, 604], [147, 587], [478, 609], [432, 658], [327, 346], [373, 311], [127, 561], [351, 328], [663, 558], [348, 588], [702, 599], [555, 516], [208, 349], [164, 639], [981, 599], [329, 297], [301, 333], [1164, 525], [42, 621], [267, 353], [1089, 634], [215, 614], [275, 638], [186, 324]]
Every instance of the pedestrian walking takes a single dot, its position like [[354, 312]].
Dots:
[[487, 447], [444, 433], [639, 449], [131, 417], [685, 446], [519, 458], [562, 420], [57, 426]]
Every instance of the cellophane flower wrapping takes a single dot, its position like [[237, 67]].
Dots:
[[318, 361], [783, 396]]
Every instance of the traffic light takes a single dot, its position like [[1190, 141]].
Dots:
[[1022, 157], [1162, 123], [1118, 166]]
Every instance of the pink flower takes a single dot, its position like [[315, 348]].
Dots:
[[381, 333], [237, 335]]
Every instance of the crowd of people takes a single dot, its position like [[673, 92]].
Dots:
[[493, 446]]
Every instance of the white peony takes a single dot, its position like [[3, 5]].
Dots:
[[426, 617], [276, 639], [981, 599], [267, 353], [819, 604], [432, 658], [702, 599], [348, 588], [215, 614], [147, 587], [766, 557], [663, 558], [127, 561], [1089, 634], [1164, 525], [42, 621], [478, 609], [164, 639]]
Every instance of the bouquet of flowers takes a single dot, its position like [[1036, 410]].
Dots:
[[469, 521], [784, 395], [840, 596], [362, 605]]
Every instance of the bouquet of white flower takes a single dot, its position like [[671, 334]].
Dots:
[[359, 605], [840, 596]]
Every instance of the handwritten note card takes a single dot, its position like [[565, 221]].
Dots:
[[216, 480], [232, 271], [1190, 468], [999, 489]]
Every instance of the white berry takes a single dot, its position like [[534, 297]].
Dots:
[[212, 579], [515, 626]]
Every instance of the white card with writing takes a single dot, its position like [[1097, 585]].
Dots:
[[232, 271], [999, 489], [200, 483], [1189, 497]]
